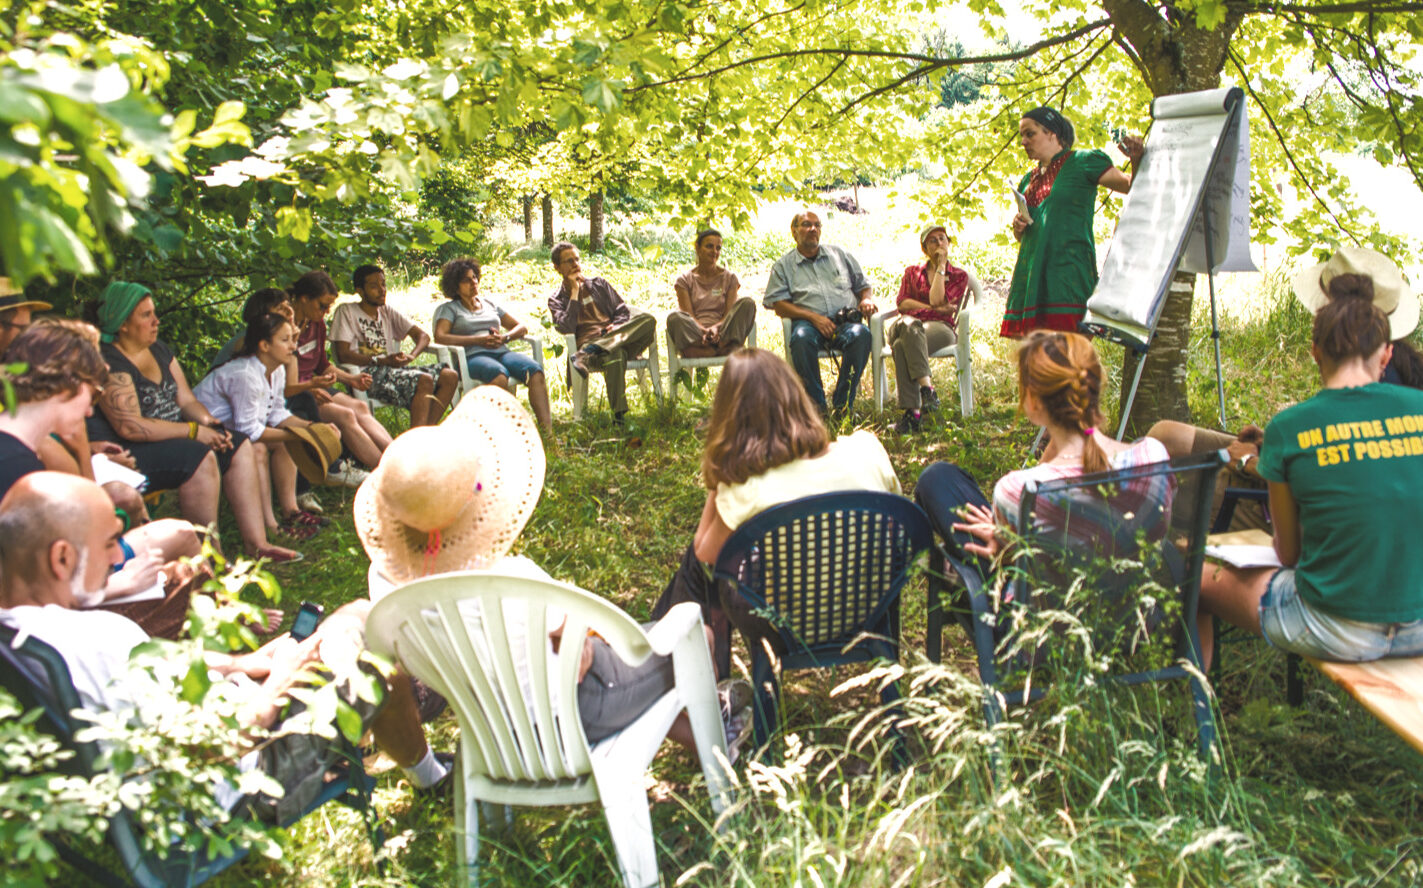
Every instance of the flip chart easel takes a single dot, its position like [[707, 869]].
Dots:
[[1188, 210]]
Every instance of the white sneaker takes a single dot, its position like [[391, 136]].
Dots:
[[308, 502], [344, 474]]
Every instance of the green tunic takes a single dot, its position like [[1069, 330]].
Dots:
[[1057, 257]]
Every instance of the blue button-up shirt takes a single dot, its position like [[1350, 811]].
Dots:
[[823, 285]]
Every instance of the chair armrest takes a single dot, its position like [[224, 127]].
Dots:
[[536, 349], [886, 315], [669, 631], [454, 357]]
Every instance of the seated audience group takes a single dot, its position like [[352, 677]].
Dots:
[[1342, 468]]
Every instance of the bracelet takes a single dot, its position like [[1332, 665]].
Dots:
[[192, 431]]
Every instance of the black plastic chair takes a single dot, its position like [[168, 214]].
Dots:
[[819, 579], [1064, 525], [38, 677]]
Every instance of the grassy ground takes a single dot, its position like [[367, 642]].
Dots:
[[1094, 786]]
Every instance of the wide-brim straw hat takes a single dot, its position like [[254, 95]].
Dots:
[[1392, 295], [453, 496], [316, 447]]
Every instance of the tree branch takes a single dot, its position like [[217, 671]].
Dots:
[[1370, 6], [929, 63], [1284, 145]]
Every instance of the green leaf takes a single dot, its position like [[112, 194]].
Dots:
[[19, 105]]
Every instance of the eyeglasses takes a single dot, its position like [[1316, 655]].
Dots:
[[11, 325], [810, 225]]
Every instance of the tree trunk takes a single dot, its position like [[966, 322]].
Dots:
[[1162, 393], [548, 220], [1173, 57], [595, 221], [528, 202]]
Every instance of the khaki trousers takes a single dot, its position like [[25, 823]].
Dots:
[[910, 342], [1183, 439], [624, 343], [736, 327]]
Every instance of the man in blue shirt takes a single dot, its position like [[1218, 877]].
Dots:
[[827, 297]]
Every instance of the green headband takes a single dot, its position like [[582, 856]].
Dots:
[[116, 303]]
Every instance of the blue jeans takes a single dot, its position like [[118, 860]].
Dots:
[[1287, 621], [487, 366], [851, 340]]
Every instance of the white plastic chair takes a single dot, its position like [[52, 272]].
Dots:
[[454, 357], [960, 352], [521, 740], [676, 362], [645, 366]]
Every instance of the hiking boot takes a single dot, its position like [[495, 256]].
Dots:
[[911, 422], [580, 363], [734, 695], [928, 398]]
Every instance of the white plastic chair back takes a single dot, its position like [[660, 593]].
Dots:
[[960, 351]]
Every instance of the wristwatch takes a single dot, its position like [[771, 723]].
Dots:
[[1245, 461]]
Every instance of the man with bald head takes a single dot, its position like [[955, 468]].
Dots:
[[58, 537]]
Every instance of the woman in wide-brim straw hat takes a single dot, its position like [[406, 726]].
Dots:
[[455, 497]]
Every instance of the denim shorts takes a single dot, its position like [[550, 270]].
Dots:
[[487, 366], [1288, 622]]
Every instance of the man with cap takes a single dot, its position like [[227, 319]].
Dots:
[[455, 497], [15, 312], [930, 295], [58, 536], [827, 298]]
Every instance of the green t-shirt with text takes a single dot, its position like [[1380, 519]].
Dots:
[[1353, 459]]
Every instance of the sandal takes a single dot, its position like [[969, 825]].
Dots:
[[303, 517], [295, 531]]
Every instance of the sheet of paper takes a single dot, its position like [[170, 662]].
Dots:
[[1022, 200], [106, 470], [152, 593], [1245, 556]]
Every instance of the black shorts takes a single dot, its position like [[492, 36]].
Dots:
[[169, 464]]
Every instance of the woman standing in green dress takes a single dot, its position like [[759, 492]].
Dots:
[[1057, 257]]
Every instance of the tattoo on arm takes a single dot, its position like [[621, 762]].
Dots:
[[120, 405]]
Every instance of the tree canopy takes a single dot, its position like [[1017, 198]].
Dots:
[[321, 121]]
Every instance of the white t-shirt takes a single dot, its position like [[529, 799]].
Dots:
[[854, 462], [95, 645], [381, 335]]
